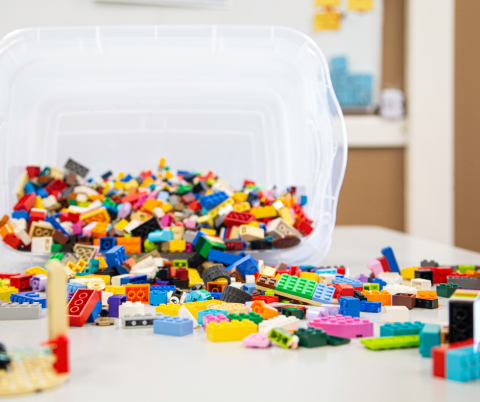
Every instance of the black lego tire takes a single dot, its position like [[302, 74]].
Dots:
[[231, 294], [215, 272]]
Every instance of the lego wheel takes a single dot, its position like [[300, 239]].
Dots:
[[234, 295], [215, 272]]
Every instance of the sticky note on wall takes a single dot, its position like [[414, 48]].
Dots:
[[360, 5], [326, 21]]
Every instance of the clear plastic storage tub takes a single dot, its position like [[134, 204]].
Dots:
[[250, 102]]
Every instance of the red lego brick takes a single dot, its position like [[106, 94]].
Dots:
[[384, 262], [195, 206], [439, 354], [55, 187], [21, 282], [238, 218], [181, 274], [304, 227], [294, 270], [343, 289], [59, 346], [26, 202], [33, 171], [266, 299], [81, 306], [146, 173], [248, 182], [139, 293], [439, 273], [69, 217], [37, 216], [131, 198], [341, 270], [12, 240], [457, 274], [300, 214], [235, 245], [4, 275]]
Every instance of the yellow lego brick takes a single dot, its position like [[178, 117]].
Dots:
[[177, 246], [167, 207], [242, 207], [168, 309], [102, 264], [286, 215], [230, 331], [240, 197], [360, 5], [121, 225], [310, 276], [206, 219], [408, 273], [162, 163], [269, 271], [106, 188], [168, 174], [255, 224], [193, 277], [327, 21], [5, 282], [6, 292], [119, 185], [72, 266], [195, 307], [81, 264], [38, 203], [97, 215], [116, 290], [210, 232], [131, 184], [36, 271], [267, 211], [104, 278]]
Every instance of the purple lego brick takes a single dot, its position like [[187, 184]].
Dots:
[[114, 304], [362, 278], [256, 341], [325, 311], [38, 282], [217, 318], [344, 326], [162, 283]]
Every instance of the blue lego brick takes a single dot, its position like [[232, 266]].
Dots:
[[370, 306], [249, 287], [303, 200], [173, 326], [157, 297], [222, 257], [350, 306], [212, 200], [463, 364], [29, 188], [380, 282], [216, 295], [246, 265], [106, 243], [134, 280], [42, 192], [95, 312], [169, 288], [387, 252], [121, 270], [350, 281], [114, 303], [112, 211], [56, 225], [28, 297], [195, 296], [429, 338], [401, 329], [21, 215], [307, 268], [332, 271], [160, 235], [126, 178], [72, 287], [115, 256], [212, 311], [323, 293]]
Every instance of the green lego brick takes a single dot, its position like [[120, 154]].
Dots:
[[184, 188], [296, 286], [72, 202], [465, 268], [256, 318], [312, 337], [180, 263], [108, 201], [337, 341], [56, 248], [446, 289], [269, 293], [392, 342], [149, 246], [283, 338], [371, 286], [204, 245], [292, 311], [207, 293]]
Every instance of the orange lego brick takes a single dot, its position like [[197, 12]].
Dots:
[[138, 293], [427, 294], [97, 197], [132, 245], [96, 241], [150, 205], [97, 215], [375, 295], [259, 307], [100, 229]]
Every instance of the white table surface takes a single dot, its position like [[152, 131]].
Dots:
[[113, 364]]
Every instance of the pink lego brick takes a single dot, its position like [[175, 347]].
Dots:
[[375, 266], [256, 341], [189, 223], [217, 318], [77, 228], [87, 230], [344, 326], [188, 247], [166, 220], [125, 210], [141, 200]]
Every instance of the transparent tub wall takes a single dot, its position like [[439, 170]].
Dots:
[[245, 102]]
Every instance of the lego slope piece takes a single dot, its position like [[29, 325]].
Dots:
[[344, 326], [230, 331], [25, 311], [393, 342], [256, 341]]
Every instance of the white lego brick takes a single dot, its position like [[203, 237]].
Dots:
[[250, 278], [16, 311], [278, 228], [86, 281], [150, 272], [397, 313], [18, 223], [105, 296], [81, 210], [238, 285], [82, 197], [158, 212], [147, 263], [132, 225], [131, 309], [98, 286], [391, 277], [68, 227], [159, 262], [421, 284], [184, 313], [85, 190], [261, 265], [394, 289], [326, 278], [22, 235], [49, 202], [42, 244], [116, 279], [251, 233], [281, 321], [225, 210], [278, 205]]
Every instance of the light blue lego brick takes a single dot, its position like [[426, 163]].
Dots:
[[332, 271], [323, 293], [429, 338], [72, 287], [173, 326], [28, 297], [163, 196], [401, 329], [212, 311], [157, 297], [350, 306], [160, 235], [339, 63], [196, 296], [350, 281], [463, 364], [222, 257], [249, 287], [370, 306], [387, 252]]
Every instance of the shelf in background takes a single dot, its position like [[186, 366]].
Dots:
[[375, 132]]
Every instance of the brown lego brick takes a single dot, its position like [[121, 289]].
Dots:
[[59, 237], [404, 299], [266, 282]]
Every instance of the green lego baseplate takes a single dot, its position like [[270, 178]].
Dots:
[[296, 286], [392, 342]]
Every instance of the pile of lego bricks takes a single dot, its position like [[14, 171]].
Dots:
[[58, 210]]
